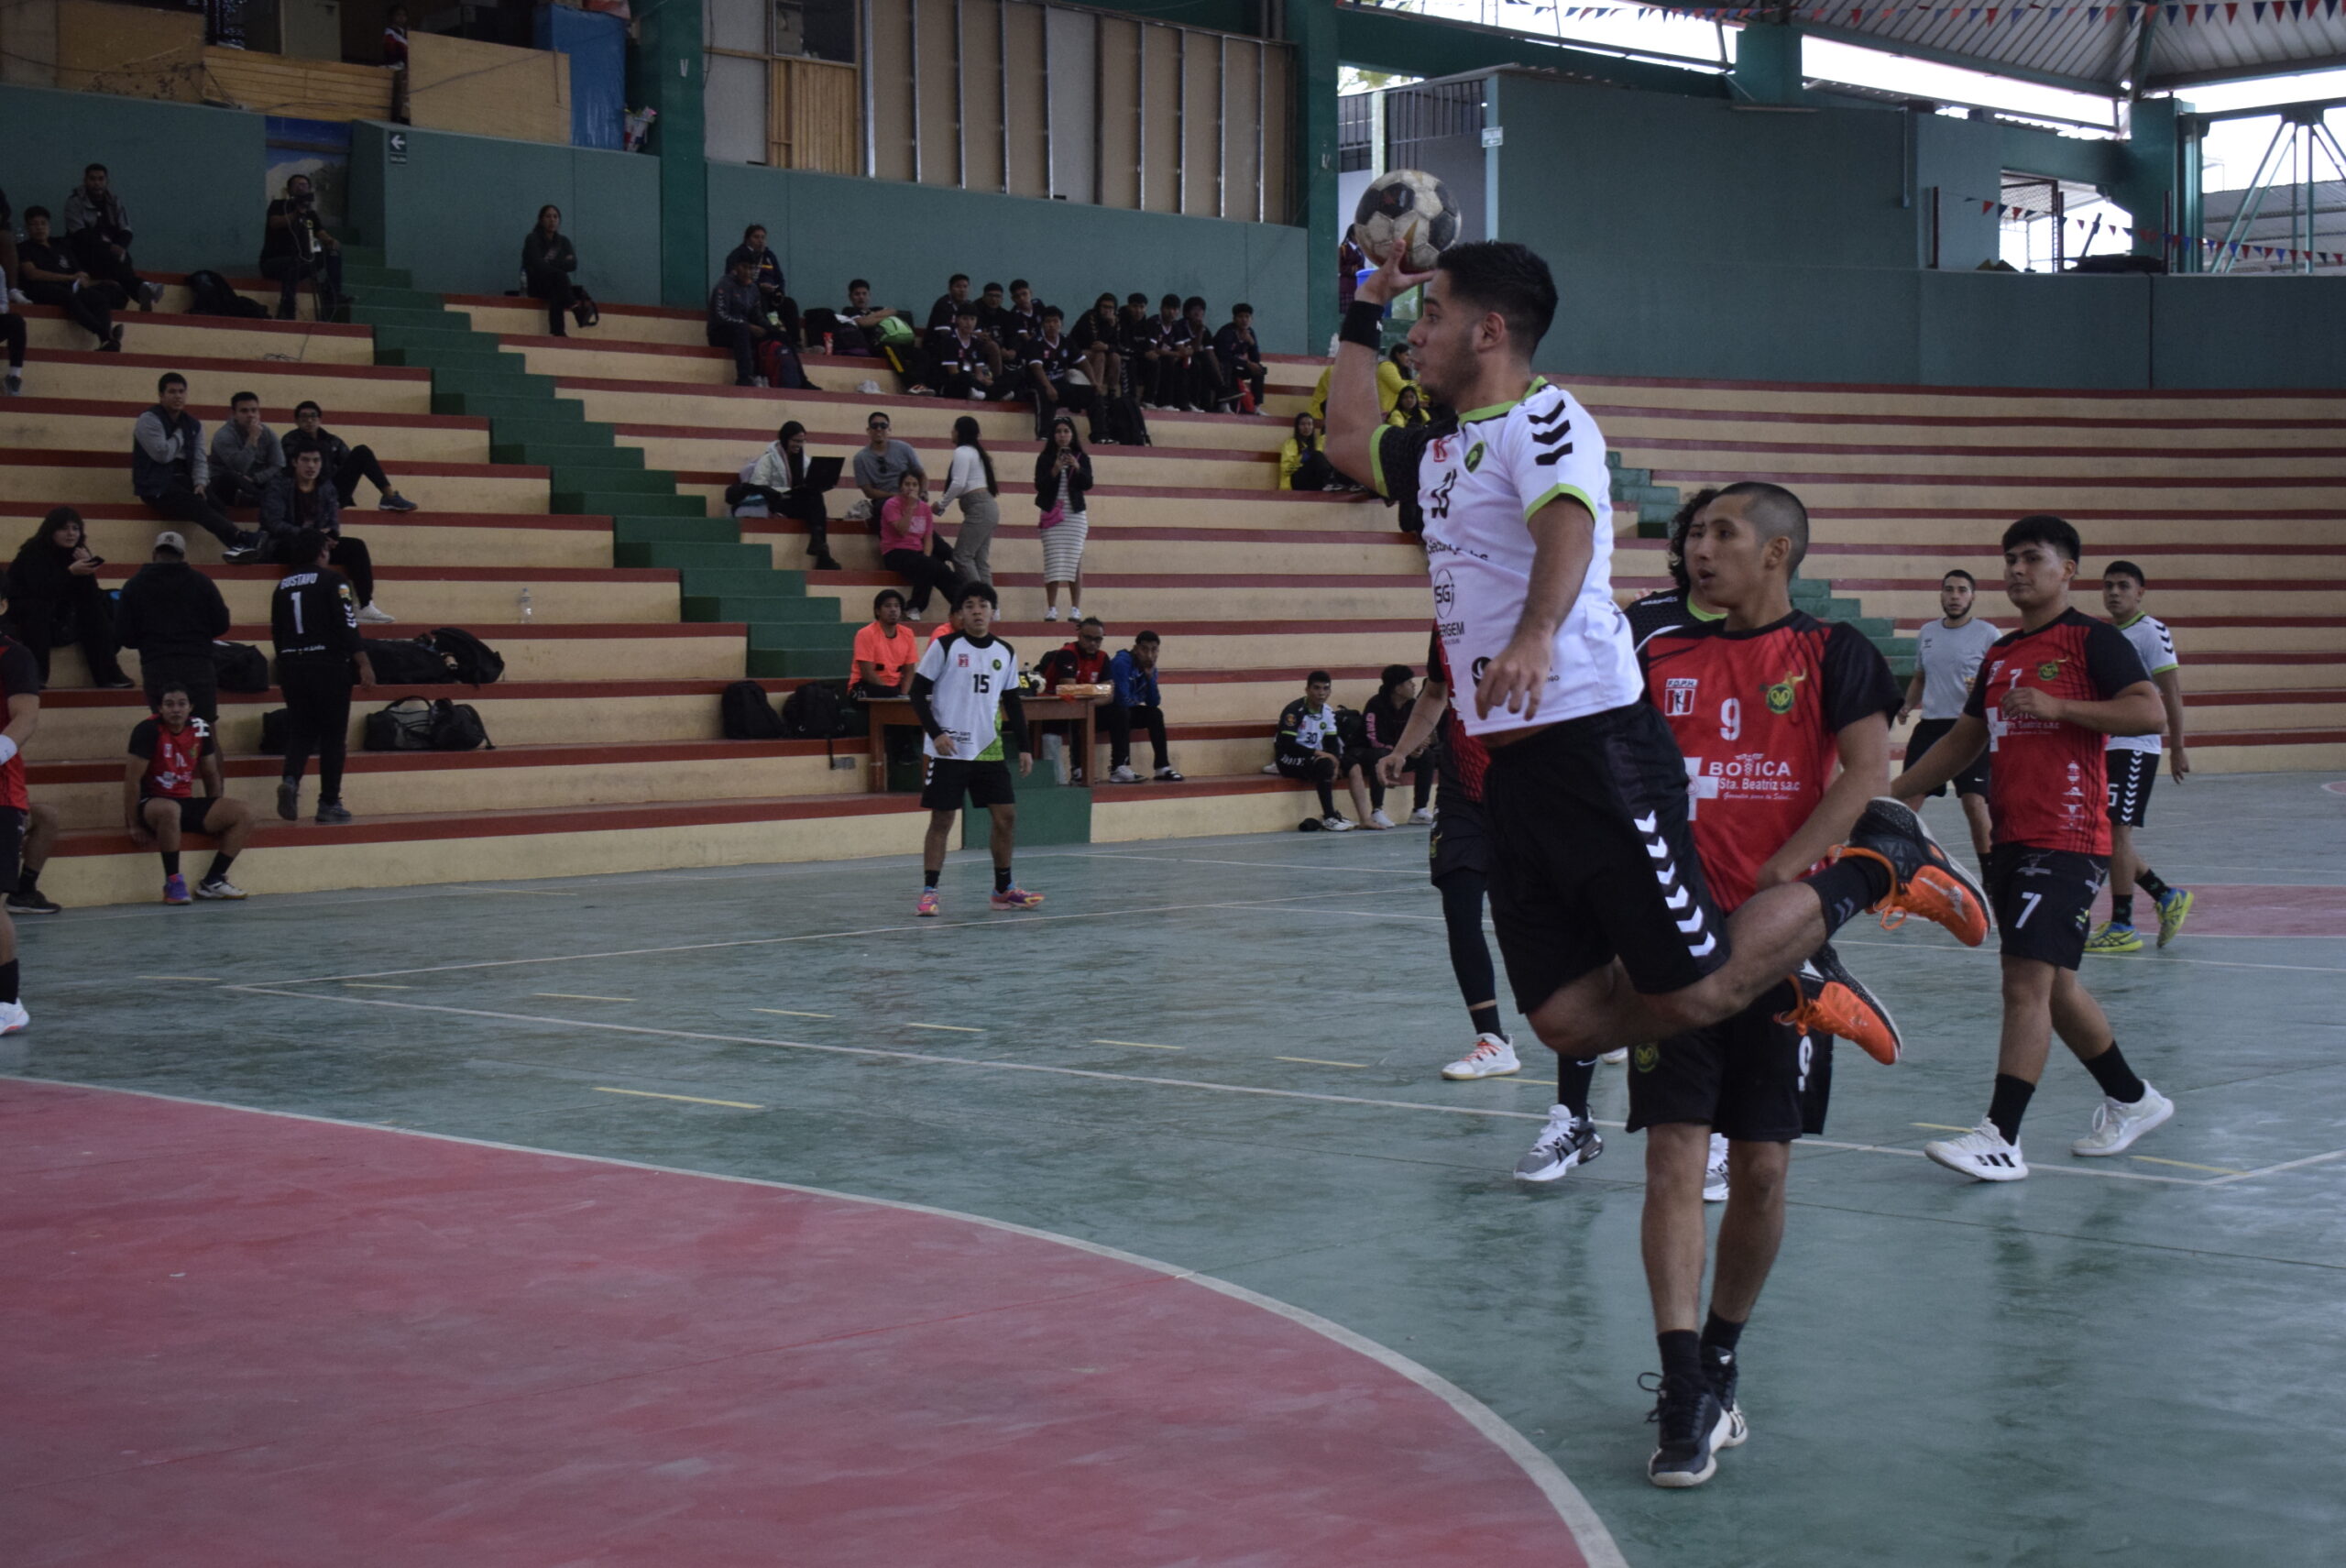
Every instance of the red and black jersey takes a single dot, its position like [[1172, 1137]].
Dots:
[[1464, 760], [1757, 714], [173, 761], [19, 677], [2045, 786]]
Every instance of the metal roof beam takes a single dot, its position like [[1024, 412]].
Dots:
[[2088, 85], [2242, 74]]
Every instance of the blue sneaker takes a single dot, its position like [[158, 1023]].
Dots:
[[175, 890]]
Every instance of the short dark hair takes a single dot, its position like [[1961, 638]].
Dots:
[[957, 277], [990, 288], [753, 228], [307, 449], [883, 596], [966, 308], [1318, 678], [855, 283], [879, 414], [32, 213], [1051, 313], [1510, 278], [1018, 283], [2043, 527], [167, 688], [309, 544], [310, 406], [166, 378], [1958, 572], [1194, 302], [1091, 620], [1136, 298], [1393, 676], [90, 168], [1172, 300], [1147, 637], [244, 398], [976, 588], [1778, 512], [1242, 310], [1398, 350], [2125, 569]]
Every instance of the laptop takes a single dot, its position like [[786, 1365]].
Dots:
[[823, 473]]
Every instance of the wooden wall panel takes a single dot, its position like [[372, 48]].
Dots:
[[1242, 114], [940, 141], [816, 105], [1161, 133], [1030, 155], [130, 51], [306, 89], [981, 82], [1278, 136], [462, 84], [1201, 126], [890, 78], [1119, 127]]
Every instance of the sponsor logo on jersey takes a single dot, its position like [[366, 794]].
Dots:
[[1442, 449], [1781, 694], [2050, 670], [1680, 695], [1474, 458]]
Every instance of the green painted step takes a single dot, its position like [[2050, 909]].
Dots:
[[387, 297], [1612, 459], [781, 663], [500, 383], [1641, 494], [761, 609], [636, 503], [492, 404], [1628, 476], [362, 256], [613, 479], [428, 346], [1656, 516], [564, 454], [761, 581], [361, 266], [682, 555], [674, 531], [389, 313], [799, 636], [431, 357], [566, 425]]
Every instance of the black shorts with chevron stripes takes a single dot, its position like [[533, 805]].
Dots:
[[2132, 774]]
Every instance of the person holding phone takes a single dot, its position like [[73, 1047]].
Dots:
[[1062, 479], [58, 598]]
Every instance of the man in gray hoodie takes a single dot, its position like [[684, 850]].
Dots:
[[245, 456], [97, 227], [170, 470]]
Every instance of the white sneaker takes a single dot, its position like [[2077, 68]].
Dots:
[[1715, 1173], [1421, 817], [373, 614], [1565, 1142], [1378, 820], [1336, 824], [1075, 612], [13, 1017], [1981, 1154], [1052, 613], [224, 888], [1493, 1056], [1123, 775], [14, 383], [1614, 1059], [2116, 1124]]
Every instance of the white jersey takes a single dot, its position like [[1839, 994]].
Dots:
[[1478, 486], [1948, 657], [967, 679], [2155, 644]]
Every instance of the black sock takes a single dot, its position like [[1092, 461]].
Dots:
[[928, 879], [1849, 884], [1327, 801], [219, 868], [8, 973], [1487, 1019], [2117, 1080], [170, 862], [2148, 881], [2122, 909], [1001, 879], [1572, 1079], [2009, 1103], [1721, 1333], [1681, 1353], [28, 881]]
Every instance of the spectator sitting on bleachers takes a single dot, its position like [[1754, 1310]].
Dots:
[[910, 545], [885, 651], [948, 304], [170, 754], [849, 328], [171, 614], [1410, 408], [51, 276], [97, 230], [959, 365], [1386, 716], [294, 245], [1100, 334], [548, 258], [1311, 746], [12, 334], [1165, 350], [1135, 329], [54, 597], [879, 465], [247, 458], [1209, 385], [779, 478], [1021, 321], [1055, 376], [780, 310], [1398, 371], [345, 465], [990, 311], [1303, 460], [1137, 700], [1240, 355], [170, 470], [301, 502], [1080, 663], [737, 319]]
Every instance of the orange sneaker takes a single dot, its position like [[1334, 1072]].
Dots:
[[1834, 1001], [1923, 881]]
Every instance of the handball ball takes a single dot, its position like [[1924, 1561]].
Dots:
[[1406, 203]]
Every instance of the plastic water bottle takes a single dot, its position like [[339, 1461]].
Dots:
[[523, 606]]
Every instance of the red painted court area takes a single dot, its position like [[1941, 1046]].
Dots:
[[241, 1339], [2250, 910]]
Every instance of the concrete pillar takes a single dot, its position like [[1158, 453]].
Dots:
[[664, 72], [1767, 64], [2146, 185], [1311, 28]]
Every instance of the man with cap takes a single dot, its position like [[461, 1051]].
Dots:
[[172, 613]]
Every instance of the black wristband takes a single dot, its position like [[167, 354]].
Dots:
[[1365, 324]]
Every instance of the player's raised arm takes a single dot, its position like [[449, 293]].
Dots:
[[1354, 417]]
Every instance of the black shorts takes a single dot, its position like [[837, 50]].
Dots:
[[1972, 780], [2043, 900], [12, 843], [1815, 1082], [1461, 840], [193, 809], [1591, 859], [2132, 774], [950, 778], [1743, 1078]]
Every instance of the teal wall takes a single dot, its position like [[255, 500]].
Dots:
[[455, 211], [828, 228], [194, 179], [2248, 332]]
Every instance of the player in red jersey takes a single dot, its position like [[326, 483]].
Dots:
[[20, 685], [1785, 721], [2045, 697], [170, 754]]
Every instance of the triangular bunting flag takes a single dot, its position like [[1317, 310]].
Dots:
[[2258, 10]]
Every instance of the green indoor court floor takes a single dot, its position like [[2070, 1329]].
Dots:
[[1222, 1054]]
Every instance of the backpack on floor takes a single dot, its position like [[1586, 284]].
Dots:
[[778, 363], [582, 309], [239, 667], [748, 713], [457, 727], [273, 731], [1125, 425], [402, 662], [477, 663], [401, 726], [214, 297], [812, 711]]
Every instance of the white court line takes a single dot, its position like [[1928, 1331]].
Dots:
[[2161, 959], [1200, 1084], [1588, 1530], [1418, 872], [2284, 1165]]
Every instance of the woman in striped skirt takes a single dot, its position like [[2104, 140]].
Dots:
[[1062, 479]]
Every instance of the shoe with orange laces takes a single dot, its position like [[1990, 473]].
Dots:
[[927, 905], [1016, 898], [1836, 1002], [1923, 880]]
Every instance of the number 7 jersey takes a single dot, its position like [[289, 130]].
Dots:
[[1759, 715]]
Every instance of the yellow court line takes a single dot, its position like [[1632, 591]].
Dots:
[[572, 996], [1322, 1061], [202, 979], [689, 1099], [1142, 1045], [950, 1028], [786, 1013], [1937, 1127], [374, 985], [2219, 1169]]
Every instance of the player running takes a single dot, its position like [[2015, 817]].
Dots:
[[2047, 694], [964, 693], [2133, 764], [1947, 655], [1766, 704], [1459, 850], [1604, 919]]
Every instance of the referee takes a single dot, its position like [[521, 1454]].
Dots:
[[313, 620]]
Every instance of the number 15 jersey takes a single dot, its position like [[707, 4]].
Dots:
[[968, 678]]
